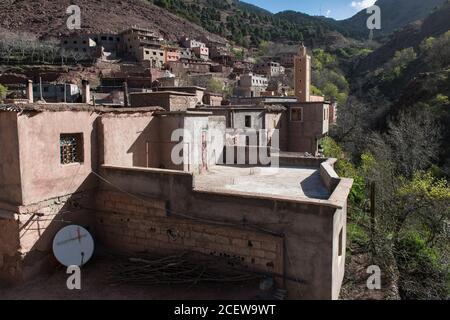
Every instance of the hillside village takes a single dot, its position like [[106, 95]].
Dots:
[[145, 61]]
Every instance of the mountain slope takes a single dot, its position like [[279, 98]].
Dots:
[[248, 25], [395, 14], [47, 18], [435, 24]]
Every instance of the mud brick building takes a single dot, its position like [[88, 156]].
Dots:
[[287, 221]]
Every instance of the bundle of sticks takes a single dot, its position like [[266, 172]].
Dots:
[[185, 268]]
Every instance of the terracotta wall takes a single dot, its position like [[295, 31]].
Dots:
[[10, 182], [42, 174]]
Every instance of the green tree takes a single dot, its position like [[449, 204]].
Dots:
[[395, 67], [215, 85], [3, 91]]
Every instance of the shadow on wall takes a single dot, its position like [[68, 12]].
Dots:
[[313, 187], [36, 231], [145, 149]]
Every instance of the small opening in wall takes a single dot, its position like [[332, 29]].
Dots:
[[340, 244], [248, 121], [71, 148]]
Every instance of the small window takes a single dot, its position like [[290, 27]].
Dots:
[[248, 121], [341, 243], [71, 148], [297, 114]]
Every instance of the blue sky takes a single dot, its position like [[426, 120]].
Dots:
[[337, 9]]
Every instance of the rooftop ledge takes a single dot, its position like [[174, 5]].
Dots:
[[308, 185]]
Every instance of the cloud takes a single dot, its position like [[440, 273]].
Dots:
[[363, 4], [328, 13]]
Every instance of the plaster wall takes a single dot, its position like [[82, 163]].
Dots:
[[42, 174], [10, 182]]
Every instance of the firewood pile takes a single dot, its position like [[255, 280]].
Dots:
[[185, 268]]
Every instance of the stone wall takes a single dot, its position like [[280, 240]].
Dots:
[[9, 249], [132, 224], [26, 236]]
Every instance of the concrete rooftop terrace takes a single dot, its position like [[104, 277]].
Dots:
[[298, 183]]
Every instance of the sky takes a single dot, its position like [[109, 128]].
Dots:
[[337, 9]]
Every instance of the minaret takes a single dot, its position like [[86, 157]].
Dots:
[[302, 67]]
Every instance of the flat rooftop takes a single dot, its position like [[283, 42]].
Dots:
[[296, 183]]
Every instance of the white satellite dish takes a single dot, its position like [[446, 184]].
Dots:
[[73, 246]]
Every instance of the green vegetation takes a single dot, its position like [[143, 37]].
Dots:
[[395, 67], [417, 206], [3, 91], [392, 137], [247, 25], [437, 51], [328, 78], [215, 85]]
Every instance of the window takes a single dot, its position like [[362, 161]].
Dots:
[[325, 114], [71, 148], [248, 121], [341, 242], [297, 114]]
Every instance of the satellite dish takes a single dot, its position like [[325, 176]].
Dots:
[[73, 246]]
